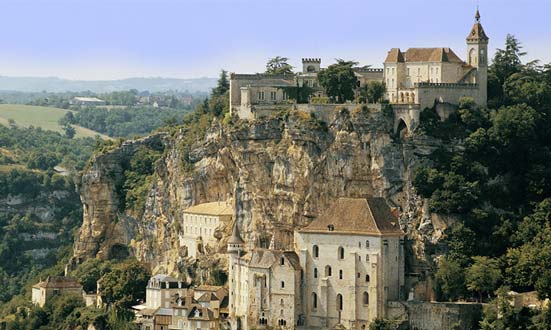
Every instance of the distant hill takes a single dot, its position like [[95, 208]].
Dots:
[[58, 85]]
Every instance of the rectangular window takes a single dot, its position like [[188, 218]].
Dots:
[[260, 96], [285, 96], [273, 96]]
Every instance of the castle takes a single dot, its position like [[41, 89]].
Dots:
[[416, 79]]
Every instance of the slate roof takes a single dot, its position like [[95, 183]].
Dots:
[[265, 258], [212, 208], [58, 282], [205, 315], [477, 32], [207, 297], [437, 54], [371, 216]]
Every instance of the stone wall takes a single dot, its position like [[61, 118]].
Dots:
[[443, 316], [428, 93]]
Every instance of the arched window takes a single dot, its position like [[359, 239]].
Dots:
[[367, 257], [314, 300], [412, 97], [359, 244], [367, 278], [316, 251], [327, 270], [315, 273], [365, 298], [472, 56], [340, 274], [367, 244], [359, 275], [281, 302], [339, 302], [341, 253], [282, 261], [282, 284]]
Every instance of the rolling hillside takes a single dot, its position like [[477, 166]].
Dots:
[[45, 117]]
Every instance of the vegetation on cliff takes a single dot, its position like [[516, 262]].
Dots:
[[40, 207], [499, 184]]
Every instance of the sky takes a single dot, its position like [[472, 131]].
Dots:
[[115, 39]]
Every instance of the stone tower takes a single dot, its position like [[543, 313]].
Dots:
[[477, 57], [311, 65]]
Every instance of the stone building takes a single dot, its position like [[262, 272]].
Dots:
[[172, 305], [264, 286], [347, 265], [200, 225], [53, 286], [161, 289], [258, 95], [352, 257], [425, 76], [414, 80]]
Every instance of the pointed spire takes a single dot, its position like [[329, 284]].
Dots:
[[236, 236], [477, 33]]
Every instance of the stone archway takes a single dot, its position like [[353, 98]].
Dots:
[[402, 128]]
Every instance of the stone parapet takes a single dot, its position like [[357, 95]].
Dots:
[[445, 85]]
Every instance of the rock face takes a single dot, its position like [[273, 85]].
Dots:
[[289, 170]]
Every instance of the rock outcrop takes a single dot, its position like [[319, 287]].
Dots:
[[289, 169]]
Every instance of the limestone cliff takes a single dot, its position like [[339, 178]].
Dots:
[[289, 167]]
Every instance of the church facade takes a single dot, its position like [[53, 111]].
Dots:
[[344, 269]]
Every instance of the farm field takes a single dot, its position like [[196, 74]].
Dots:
[[45, 117]]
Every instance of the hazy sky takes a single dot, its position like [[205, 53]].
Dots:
[[111, 39]]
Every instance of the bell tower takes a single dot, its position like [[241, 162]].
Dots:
[[477, 57]]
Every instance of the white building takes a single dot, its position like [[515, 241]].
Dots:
[[348, 264], [423, 76], [353, 262], [201, 224], [87, 101]]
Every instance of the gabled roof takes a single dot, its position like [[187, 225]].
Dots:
[[394, 55], [368, 216], [207, 297], [436, 54], [266, 258], [212, 208], [58, 282], [206, 314]]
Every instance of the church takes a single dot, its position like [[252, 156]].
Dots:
[[345, 268]]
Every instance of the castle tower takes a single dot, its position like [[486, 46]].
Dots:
[[311, 65], [477, 57]]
